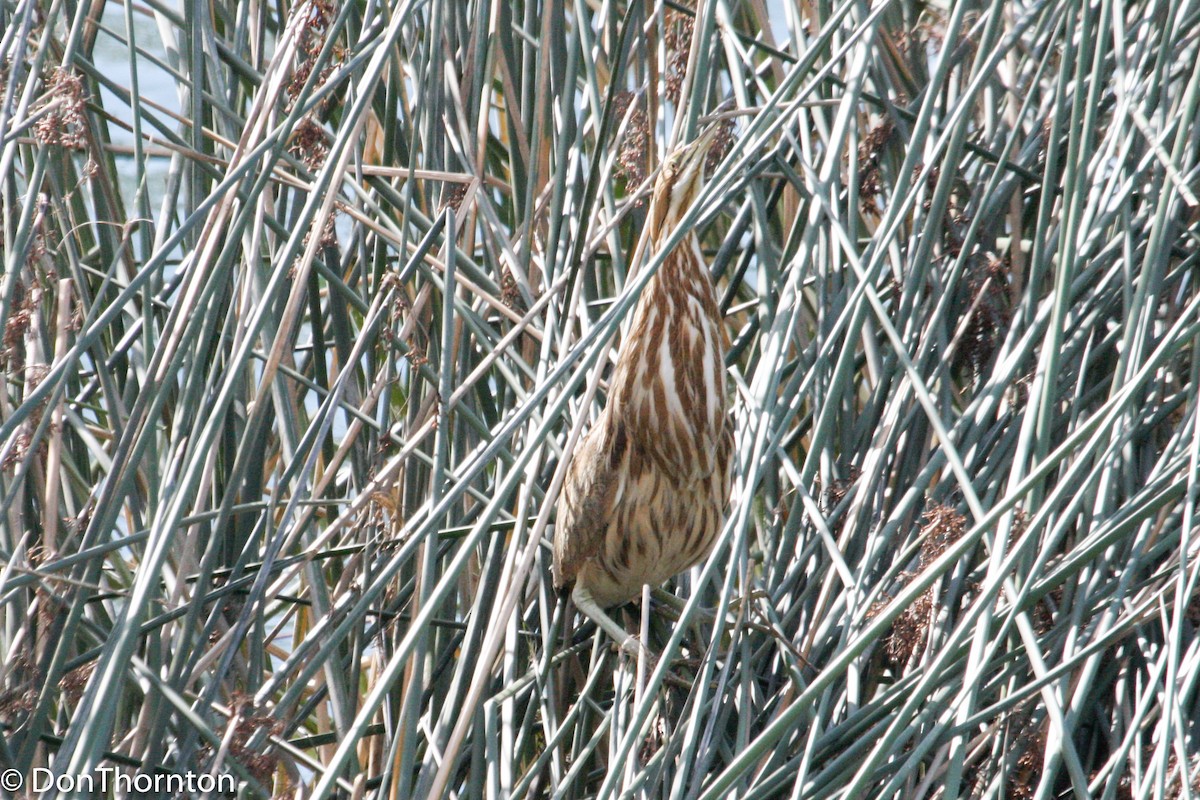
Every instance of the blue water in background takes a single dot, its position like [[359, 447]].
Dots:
[[114, 59]]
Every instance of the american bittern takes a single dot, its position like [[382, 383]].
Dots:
[[646, 489]]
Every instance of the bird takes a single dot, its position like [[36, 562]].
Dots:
[[645, 492]]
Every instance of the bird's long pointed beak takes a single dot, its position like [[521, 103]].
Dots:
[[706, 138], [682, 177], [697, 153]]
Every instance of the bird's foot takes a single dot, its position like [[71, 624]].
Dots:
[[640, 655], [633, 647], [638, 652]]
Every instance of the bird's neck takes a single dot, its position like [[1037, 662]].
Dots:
[[669, 386], [683, 272]]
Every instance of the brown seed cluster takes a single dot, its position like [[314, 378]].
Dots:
[[14, 334], [931, 179], [63, 123], [73, 525], [26, 299], [1043, 612], [312, 39], [838, 487], [20, 691], [678, 41], [416, 351], [328, 237], [74, 682], [453, 195], [314, 33], [510, 293], [300, 77], [635, 146], [1044, 132], [943, 526], [308, 140], [720, 146], [16, 454], [905, 40], [1019, 526], [992, 314], [308, 144], [909, 629], [329, 231], [870, 150], [249, 720], [1027, 772], [1175, 779]]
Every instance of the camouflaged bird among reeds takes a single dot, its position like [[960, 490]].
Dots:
[[646, 490]]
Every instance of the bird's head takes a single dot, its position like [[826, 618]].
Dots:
[[680, 181]]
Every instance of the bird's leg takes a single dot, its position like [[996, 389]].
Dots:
[[626, 641]]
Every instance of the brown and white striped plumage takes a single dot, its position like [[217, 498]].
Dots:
[[646, 490]]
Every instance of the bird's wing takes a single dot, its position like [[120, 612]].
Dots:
[[585, 506]]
